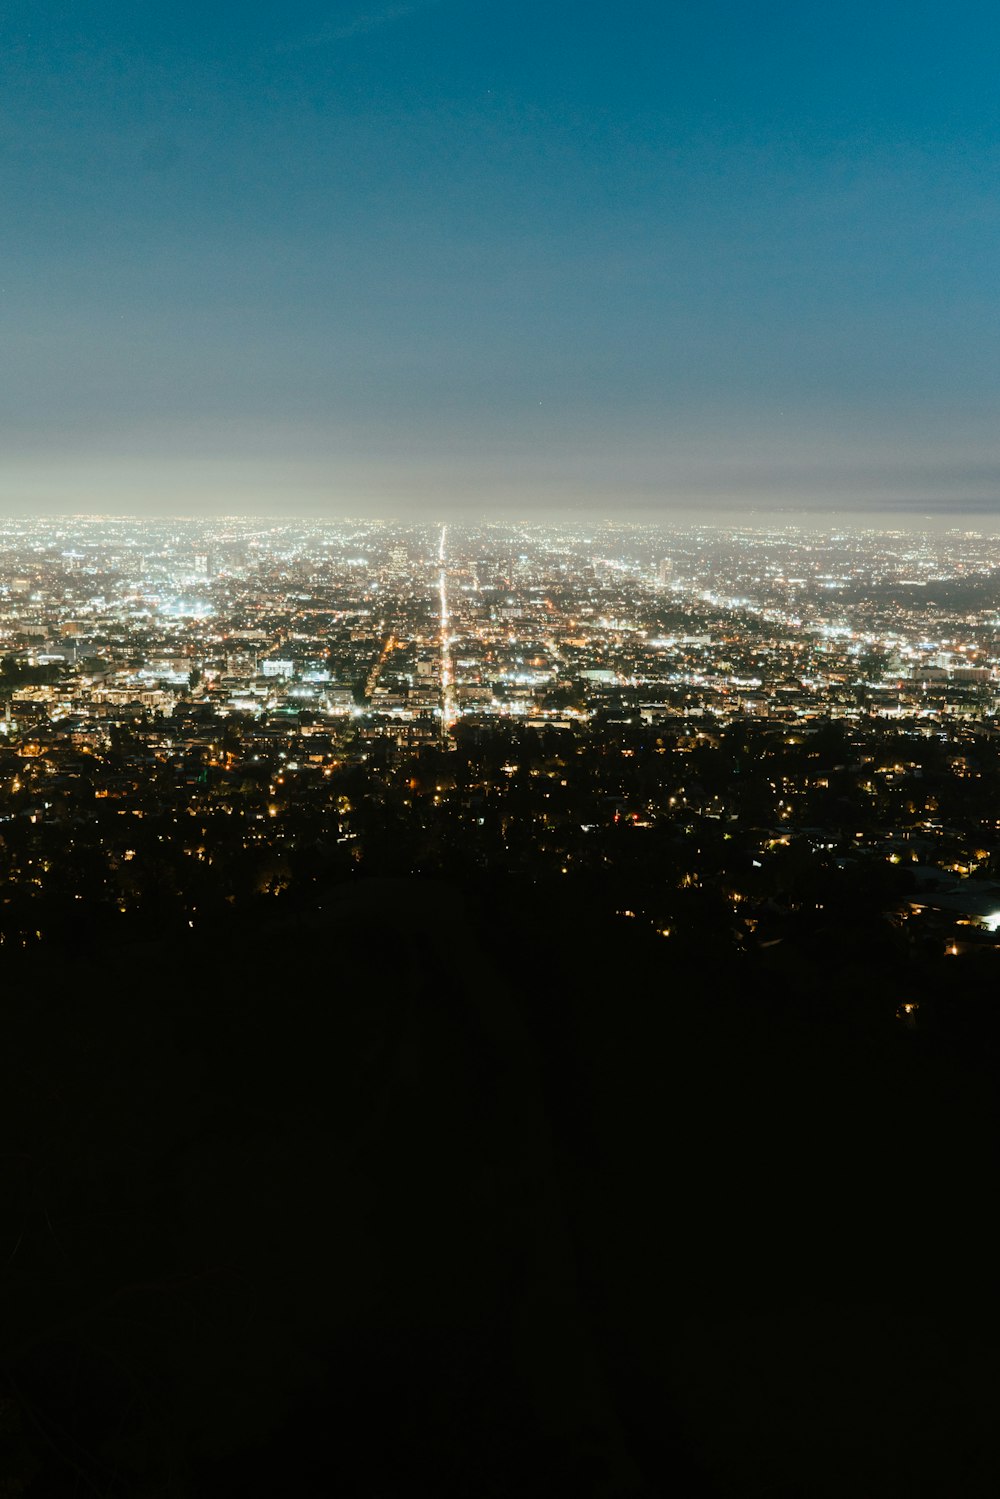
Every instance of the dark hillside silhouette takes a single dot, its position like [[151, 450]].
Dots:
[[423, 1188]]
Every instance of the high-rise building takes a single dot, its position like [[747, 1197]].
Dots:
[[664, 572]]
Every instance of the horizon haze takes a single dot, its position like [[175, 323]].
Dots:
[[451, 259]]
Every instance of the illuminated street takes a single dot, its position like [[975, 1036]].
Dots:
[[447, 673]]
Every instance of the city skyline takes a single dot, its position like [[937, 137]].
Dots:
[[562, 700], [499, 748]]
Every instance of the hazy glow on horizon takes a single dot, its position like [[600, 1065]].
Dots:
[[451, 258]]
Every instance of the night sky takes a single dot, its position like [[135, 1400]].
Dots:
[[537, 259]]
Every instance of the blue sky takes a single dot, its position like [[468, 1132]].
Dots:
[[549, 258]]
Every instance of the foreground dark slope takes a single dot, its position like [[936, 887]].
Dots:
[[472, 1190]]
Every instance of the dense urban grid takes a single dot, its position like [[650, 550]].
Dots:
[[736, 727]]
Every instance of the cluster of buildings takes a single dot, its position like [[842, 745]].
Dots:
[[100, 620], [548, 700]]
